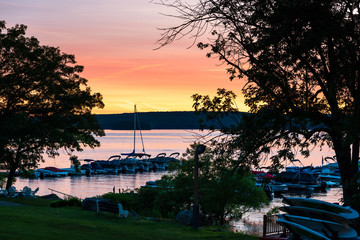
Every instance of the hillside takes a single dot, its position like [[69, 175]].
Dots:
[[158, 120]]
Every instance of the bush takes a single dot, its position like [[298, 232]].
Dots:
[[70, 202], [147, 196], [129, 200], [161, 201]]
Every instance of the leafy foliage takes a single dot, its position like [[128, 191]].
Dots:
[[44, 103], [299, 61], [225, 193], [129, 200]]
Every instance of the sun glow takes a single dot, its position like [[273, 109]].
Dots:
[[116, 46]]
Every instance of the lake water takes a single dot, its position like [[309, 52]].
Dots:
[[155, 141], [114, 143]]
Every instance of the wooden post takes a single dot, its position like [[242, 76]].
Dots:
[[199, 150], [97, 206], [264, 225]]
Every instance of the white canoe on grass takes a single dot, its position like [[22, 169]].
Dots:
[[327, 228], [302, 232], [345, 212]]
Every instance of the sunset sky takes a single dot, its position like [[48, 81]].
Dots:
[[115, 40]]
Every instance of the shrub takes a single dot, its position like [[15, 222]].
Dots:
[[162, 201], [147, 196], [70, 202], [129, 200]]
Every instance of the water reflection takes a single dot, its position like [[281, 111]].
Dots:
[[82, 186]]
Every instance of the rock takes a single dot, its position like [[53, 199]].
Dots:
[[90, 203], [185, 217]]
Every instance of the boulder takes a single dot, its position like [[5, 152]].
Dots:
[[185, 217]]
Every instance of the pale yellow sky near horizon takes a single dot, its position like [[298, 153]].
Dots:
[[115, 42]]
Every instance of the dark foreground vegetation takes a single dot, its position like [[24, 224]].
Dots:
[[35, 219], [299, 64]]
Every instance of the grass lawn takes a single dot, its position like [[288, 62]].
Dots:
[[35, 219]]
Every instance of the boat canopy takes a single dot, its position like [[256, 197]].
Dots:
[[136, 154]]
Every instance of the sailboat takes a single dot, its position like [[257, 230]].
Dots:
[[141, 161], [136, 161]]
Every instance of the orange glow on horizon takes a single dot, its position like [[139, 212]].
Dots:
[[115, 42]]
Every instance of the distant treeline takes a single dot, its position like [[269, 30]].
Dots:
[[161, 120]]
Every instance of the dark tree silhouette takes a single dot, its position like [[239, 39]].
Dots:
[[300, 61], [44, 104]]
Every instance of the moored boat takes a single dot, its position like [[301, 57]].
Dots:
[[50, 172], [159, 162], [135, 162], [112, 165]]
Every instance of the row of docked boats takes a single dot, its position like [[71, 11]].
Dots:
[[304, 179], [124, 163]]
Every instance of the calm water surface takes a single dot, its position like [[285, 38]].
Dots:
[[114, 143]]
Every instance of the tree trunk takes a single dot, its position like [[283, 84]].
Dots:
[[343, 156], [10, 177], [355, 155], [13, 166]]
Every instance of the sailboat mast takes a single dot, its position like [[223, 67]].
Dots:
[[142, 141], [134, 127], [137, 123]]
